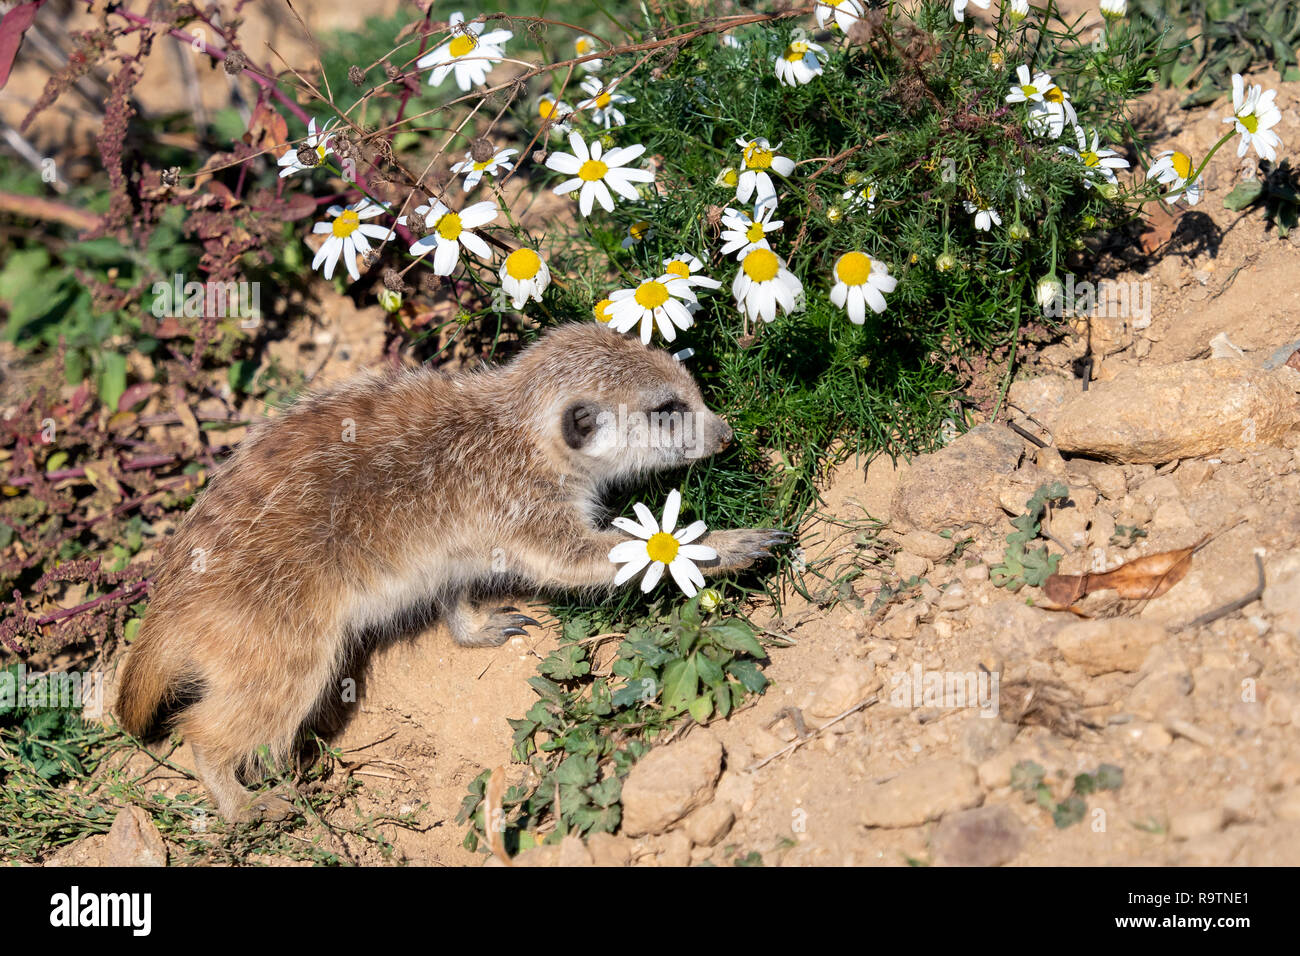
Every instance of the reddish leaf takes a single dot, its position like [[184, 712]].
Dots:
[[1141, 579], [12, 27]]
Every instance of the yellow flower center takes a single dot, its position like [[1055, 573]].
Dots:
[[754, 232], [757, 158], [662, 547], [1182, 164], [761, 265], [678, 268], [997, 59], [638, 230], [592, 170], [346, 223], [449, 226], [1090, 158], [651, 295], [1250, 121], [854, 268], [545, 108], [582, 45], [1054, 95], [602, 310], [462, 44], [603, 100], [320, 151], [1029, 89], [523, 264], [730, 176], [796, 51]]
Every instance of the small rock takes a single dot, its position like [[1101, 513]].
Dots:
[[983, 737], [1190, 824], [987, 836], [1239, 805], [607, 849], [570, 851], [921, 793], [954, 598], [908, 565], [975, 573], [849, 685], [1107, 479], [674, 849], [1183, 410], [927, 544], [710, 823], [1116, 644], [952, 487], [133, 840], [901, 625], [1039, 397], [670, 782], [996, 771]]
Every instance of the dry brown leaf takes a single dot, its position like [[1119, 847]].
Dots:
[[494, 815], [1160, 229], [1144, 578]]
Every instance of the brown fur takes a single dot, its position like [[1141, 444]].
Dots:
[[307, 541]]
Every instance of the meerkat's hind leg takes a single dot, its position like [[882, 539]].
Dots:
[[236, 803], [473, 628]]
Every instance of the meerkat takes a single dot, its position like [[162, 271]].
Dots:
[[389, 496]]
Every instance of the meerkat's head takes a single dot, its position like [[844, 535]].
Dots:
[[611, 408]]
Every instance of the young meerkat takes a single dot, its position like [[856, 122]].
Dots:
[[370, 504]]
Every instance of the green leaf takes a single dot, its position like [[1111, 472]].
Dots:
[[112, 378], [1243, 194], [1109, 777], [750, 677], [701, 707], [735, 635], [1069, 813], [681, 682]]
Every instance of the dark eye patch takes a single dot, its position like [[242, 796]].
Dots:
[[578, 423], [673, 407]]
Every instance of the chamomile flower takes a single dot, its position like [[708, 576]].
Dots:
[[470, 54], [658, 547], [1097, 161], [845, 13], [639, 231], [604, 102], [728, 177], [1029, 88], [449, 231], [1173, 168], [317, 139], [1114, 9], [861, 281], [558, 111], [524, 275], [1255, 114], [348, 236], [596, 172], [474, 170], [1050, 117], [985, 218], [757, 157], [797, 64], [1017, 10], [661, 301], [743, 233], [764, 282], [601, 311], [866, 196], [959, 7], [582, 46], [685, 266]]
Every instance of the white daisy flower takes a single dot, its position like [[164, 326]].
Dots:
[[604, 102], [348, 236], [524, 275], [959, 7], [1173, 168], [595, 173], [1096, 160], [764, 282], [845, 13], [1017, 10], [729, 41], [470, 54], [1255, 114], [797, 64], [639, 231], [1050, 117], [1029, 88], [449, 231], [660, 301], [985, 218], [861, 281], [685, 266], [743, 233], [548, 106], [581, 47], [661, 548], [866, 196], [1114, 9], [317, 139], [601, 311], [474, 171], [757, 157]]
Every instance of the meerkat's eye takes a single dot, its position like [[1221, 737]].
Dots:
[[674, 407], [578, 423]]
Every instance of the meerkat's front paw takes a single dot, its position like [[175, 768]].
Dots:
[[741, 547], [269, 807]]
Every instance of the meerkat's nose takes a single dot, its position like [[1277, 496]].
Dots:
[[725, 434]]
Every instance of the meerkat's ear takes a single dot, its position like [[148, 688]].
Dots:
[[578, 423]]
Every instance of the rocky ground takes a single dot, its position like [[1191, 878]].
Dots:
[[1183, 710]]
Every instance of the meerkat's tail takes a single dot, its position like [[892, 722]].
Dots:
[[149, 677]]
